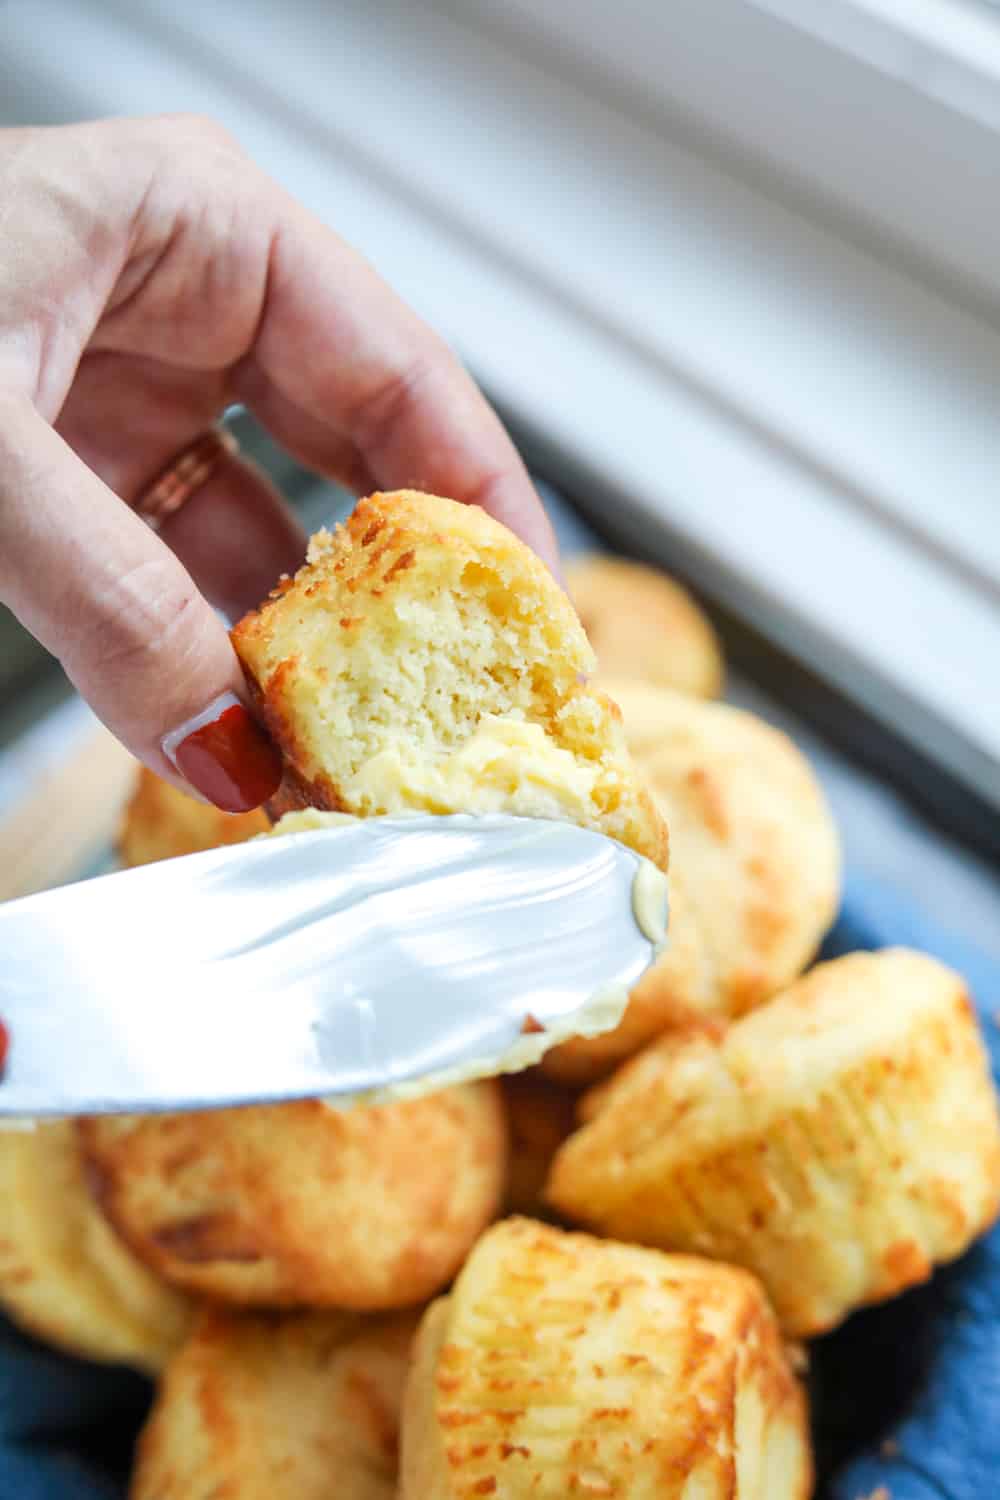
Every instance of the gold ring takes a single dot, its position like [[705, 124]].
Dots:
[[185, 474]]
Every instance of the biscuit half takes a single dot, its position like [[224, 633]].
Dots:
[[424, 658], [838, 1142], [566, 1366], [755, 869], [278, 1407], [64, 1274], [644, 625], [302, 1204]]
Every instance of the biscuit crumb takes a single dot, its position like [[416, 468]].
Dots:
[[531, 1026]]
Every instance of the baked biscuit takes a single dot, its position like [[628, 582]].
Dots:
[[540, 1116], [304, 1205], [159, 822], [755, 869], [278, 1407], [838, 1142], [424, 658], [565, 1366], [642, 624], [64, 1275]]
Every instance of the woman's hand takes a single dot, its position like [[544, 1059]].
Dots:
[[151, 275]]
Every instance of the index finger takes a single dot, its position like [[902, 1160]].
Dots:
[[339, 358]]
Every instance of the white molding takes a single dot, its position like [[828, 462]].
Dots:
[[816, 433], [832, 98], [946, 49]]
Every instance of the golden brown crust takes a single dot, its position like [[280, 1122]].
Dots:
[[755, 873], [564, 1366], [643, 625], [64, 1275], [301, 1205], [838, 1142], [161, 823], [417, 638], [279, 1407]]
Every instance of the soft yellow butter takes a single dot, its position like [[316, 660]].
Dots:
[[650, 903], [505, 766], [307, 820]]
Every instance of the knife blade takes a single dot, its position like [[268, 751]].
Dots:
[[369, 956]]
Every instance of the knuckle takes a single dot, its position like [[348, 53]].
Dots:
[[195, 132], [380, 409], [153, 616]]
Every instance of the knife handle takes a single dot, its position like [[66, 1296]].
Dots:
[[67, 816]]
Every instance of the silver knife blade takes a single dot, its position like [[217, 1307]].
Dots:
[[330, 963]]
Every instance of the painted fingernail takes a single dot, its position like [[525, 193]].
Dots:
[[226, 756]]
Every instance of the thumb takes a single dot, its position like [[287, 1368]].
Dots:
[[97, 588]]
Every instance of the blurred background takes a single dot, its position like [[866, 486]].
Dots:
[[730, 269]]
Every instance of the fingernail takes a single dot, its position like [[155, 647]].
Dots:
[[224, 754]]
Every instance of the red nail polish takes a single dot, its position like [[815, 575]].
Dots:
[[228, 757], [4, 1047]]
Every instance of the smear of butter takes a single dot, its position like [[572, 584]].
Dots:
[[505, 766], [650, 903], [307, 820]]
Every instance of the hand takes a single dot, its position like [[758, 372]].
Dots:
[[151, 275]]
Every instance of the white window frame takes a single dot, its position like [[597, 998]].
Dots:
[[927, 71]]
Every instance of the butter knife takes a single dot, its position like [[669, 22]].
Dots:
[[373, 958]]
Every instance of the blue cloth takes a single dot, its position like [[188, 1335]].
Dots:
[[905, 1396]]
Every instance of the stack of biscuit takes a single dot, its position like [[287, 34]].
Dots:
[[333, 1302]]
